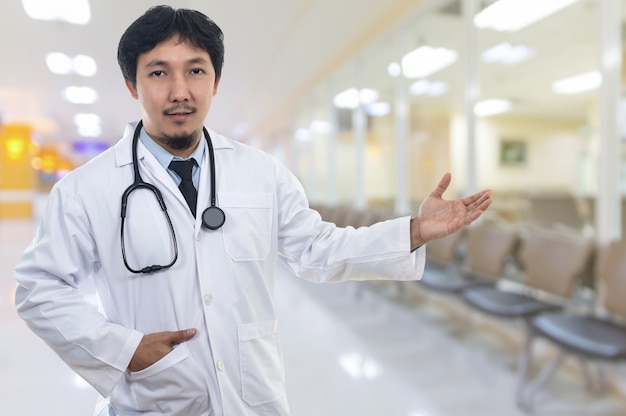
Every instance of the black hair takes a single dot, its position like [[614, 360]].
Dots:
[[161, 23]]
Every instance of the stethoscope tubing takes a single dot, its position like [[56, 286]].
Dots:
[[212, 218]]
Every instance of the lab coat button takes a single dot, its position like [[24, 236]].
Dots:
[[220, 365], [199, 237], [208, 299]]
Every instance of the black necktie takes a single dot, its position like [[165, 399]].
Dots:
[[183, 168]]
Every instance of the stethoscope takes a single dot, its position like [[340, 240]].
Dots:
[[212, 217]]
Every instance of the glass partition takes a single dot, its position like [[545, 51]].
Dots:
[[384, 127], [536, 126]]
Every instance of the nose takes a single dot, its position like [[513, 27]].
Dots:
[[179, 90]]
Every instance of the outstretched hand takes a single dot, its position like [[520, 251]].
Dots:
[[438, 218]]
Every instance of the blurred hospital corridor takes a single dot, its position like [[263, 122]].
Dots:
[[356, 348], [369, 103]]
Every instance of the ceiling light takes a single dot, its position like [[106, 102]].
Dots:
[[71, 11], [394, 69], [507, 54], [437, 88], [431, 88], [347, 99], [427, 60], [352, 98], [579, 83], [491, 107], [59, 63], [80, 95], [513, 15], [368, 95], [90, 131], [378, 109], [303, 135], [320, 127], [88, 125], [85, 65]]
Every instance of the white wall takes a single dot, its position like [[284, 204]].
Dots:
[[554, 159]]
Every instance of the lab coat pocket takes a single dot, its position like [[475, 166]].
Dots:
[[247, 229], [173, 386], [262, 376], [179, 353]]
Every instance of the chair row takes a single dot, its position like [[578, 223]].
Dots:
[[471, 265]]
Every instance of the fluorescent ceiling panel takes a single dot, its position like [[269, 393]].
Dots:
[[80, 95], [507, 54], [427, 60], [60, 63], [492, 107], [320, 127], [378, 109], [430, 88], [513, 15], [394, 69], [71, 11], [352, 97], [579, 83]]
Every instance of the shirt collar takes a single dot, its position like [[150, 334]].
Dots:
[[163, 156]]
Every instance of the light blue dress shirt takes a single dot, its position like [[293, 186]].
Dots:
[[164, 157]]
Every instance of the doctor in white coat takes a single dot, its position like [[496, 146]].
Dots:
[[197, 335]]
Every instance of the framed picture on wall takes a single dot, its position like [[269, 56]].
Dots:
[[512, 152]]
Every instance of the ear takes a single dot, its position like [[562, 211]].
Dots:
[[216, 85], [131, 89]]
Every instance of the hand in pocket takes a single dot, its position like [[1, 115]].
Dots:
[[155, 346]]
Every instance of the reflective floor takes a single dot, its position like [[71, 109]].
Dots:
[[350, 349]]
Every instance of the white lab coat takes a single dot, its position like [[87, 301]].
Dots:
[[222, 283]]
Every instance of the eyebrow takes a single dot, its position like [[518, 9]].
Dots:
[[161, 62]]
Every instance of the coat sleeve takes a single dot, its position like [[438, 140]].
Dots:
[[329, 253], [48, 297]]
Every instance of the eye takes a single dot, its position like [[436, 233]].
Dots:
[[158, 73], [197, 71]]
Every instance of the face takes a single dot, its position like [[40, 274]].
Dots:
[[175, 86]]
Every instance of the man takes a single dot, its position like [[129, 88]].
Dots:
[[196, 333]]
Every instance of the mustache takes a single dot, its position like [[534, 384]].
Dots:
[[180, 108]]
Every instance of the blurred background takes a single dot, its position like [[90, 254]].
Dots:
[[369, 103]]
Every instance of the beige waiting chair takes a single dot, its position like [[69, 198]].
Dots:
[[594, 337], [487, 247], [552, 262], [443, 253], [555, 208]]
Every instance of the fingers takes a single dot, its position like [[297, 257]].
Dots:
[[484, 204], [183, 335], [473, 216], [155, 346], [478, 200], [443, 185]]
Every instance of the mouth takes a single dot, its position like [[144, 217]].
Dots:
[[179, 114]]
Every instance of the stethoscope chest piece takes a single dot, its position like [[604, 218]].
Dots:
[[213, 218]]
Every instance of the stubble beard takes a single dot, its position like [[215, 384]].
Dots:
[[181, 141]]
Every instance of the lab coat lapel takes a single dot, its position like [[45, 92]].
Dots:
[[149, 167], [152, 172]]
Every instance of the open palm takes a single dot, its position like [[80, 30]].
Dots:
[[438, 218]]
